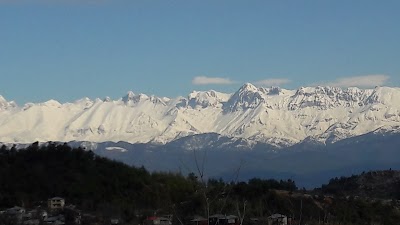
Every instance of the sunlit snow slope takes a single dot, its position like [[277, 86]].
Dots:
[[272, 115]]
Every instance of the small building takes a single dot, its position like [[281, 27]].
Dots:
[[114, 221], [277, 219], [55, 203], [156, 220], [219, 219], [198, 220]]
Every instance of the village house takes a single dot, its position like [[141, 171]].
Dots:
[[198, 220], [114, 221], [55, 203], [158, 220], [219, 219], [277, 219]]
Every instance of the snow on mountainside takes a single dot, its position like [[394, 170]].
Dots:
[[4, 105], [271, 115]]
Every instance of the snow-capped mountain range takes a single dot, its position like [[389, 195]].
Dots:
[[271, 115]]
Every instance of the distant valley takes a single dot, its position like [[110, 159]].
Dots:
[[309, 164]]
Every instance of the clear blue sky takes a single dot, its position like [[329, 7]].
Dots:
[[96, 48]]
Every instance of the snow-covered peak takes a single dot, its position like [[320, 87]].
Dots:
[[84, 102], [384, 95], [274, 90], [156, 100], [2, 99], [307, 91], [248, 87], [4, 104], [51, 103], [327, 97], [247, 97], [143, 97], [107, 99], [165, 99], [271, 115], [128, 97], [132, 98], [207, 98]]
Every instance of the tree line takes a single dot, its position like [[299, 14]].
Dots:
[[29, 176]]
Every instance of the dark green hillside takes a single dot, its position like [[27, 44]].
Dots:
[[374, 184], [105, 187], [89, 181]]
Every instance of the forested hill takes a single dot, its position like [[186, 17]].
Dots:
[[92, 182], [96, 183], [28, 177], [373, 184]]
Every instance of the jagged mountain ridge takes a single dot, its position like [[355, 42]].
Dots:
[[273, 115]]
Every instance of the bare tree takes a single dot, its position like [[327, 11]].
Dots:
[[200, 166], [301, 210], [242, 213], [203, 183]]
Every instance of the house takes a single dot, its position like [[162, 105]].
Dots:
[[114, 221], [55, 203], [198, 220], [155, 220], [219, 219], [277, 219]]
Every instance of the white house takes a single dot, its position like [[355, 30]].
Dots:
[[277, 219], [55, 203]]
